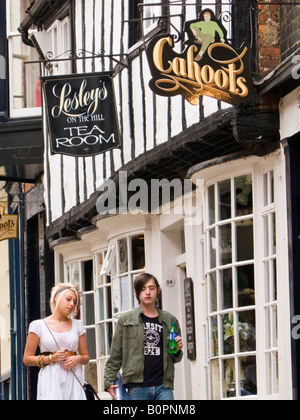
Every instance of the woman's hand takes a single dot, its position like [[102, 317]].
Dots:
[[59, 356], [71, 362]]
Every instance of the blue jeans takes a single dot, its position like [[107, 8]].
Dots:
[[154, 393]]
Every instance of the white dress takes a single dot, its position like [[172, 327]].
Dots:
[[55, 382]]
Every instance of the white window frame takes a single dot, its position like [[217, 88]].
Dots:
[[148, 29], [60, 32], [267, 385], [151, 11], [106, 275], [22, 112]]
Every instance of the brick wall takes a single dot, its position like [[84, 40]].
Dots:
[[269, 50], [289, 30]]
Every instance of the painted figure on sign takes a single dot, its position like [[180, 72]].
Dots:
[[205, 32]]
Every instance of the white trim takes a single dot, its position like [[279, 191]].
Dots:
[[258, 167]]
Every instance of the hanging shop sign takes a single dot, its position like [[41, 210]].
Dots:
[[8, 225], [81, 114], [208, 66]]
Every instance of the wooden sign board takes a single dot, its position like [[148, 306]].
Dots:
[[208, 66], [8, 225]]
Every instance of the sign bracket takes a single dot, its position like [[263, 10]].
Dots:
[[80, 55]]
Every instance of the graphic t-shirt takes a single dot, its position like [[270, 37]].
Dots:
[[153, 352]]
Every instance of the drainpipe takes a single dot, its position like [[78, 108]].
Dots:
[[12, 275], [36, 11], [20, 301]]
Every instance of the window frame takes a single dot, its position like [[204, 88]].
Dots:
[[269, 378], [16, 112], [104, 280]]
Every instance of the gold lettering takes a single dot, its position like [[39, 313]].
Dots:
[[208, 75], [179, 67], [221, 79], [158, 54], [244, 91], [185, 76]]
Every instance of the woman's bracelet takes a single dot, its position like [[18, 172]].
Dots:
[[40, 361]]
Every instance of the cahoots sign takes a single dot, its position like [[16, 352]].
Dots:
[[9, 225], [81, 114], [208, 66]]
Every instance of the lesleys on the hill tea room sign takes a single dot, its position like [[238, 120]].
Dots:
[[81, 114]]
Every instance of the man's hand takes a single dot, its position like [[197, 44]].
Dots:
[[111, 391], [179, 343]]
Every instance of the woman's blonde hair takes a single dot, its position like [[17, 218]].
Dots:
[[59, 291]]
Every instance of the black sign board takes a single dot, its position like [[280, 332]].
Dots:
[[209, 65], [81, 114], [190, 318]]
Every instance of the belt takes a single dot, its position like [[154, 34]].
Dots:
[[67, 353]]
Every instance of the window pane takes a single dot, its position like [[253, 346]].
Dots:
[[211, 205], [226, 289], [225, 245], [244, 241], [125, 294], [243, 194], [247, 331], [116, 296], [246, 287], [215, 375], [212, 248], [91, 342], [123, 256], [214, 330], [248, 376], [108, 303], [88, 309], [74, 275], [225, 200], [101, 338], [213, 293], [274, 243], [138, 252], [87, 273], [91, 375], [228, 334], [229, 384], [101, 304]]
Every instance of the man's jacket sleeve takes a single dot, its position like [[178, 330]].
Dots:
[[114, 363]]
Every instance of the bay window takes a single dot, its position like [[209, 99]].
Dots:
[[240, 247], [106, 282]]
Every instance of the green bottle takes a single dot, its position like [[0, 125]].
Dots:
[[173, 348]]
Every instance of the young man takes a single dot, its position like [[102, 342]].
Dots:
[[140, 347]]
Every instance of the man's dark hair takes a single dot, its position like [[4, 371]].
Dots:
[[141, 281]]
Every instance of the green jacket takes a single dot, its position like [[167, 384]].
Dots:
[[208, 28], [128, 350]]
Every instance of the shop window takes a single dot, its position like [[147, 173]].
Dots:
[[107, 292], [231, 288], [116, 271], [25, 94]]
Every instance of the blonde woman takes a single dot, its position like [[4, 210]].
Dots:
[[56, 379]]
